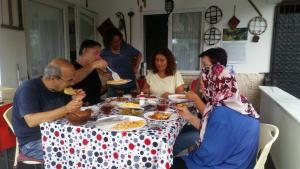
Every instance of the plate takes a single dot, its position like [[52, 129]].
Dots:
[[129, 105], [116, 100], [118, 82], [108, 123], [178, 98], [173, 116], [130, 112]]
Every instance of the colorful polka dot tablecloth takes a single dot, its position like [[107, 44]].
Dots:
[[67, 146]]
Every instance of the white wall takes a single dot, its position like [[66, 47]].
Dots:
[[12, 52], [13, 49], [279, 108], [258, 54]]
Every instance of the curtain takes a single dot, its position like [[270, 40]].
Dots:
[[186, 39], [46, 35]]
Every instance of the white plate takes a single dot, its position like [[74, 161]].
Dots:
[[174, 116], [108, 127], [178, 98], [124, 81]]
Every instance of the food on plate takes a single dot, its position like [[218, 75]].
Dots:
[[125, 125], [133, 112], [160, 116], [70, 91], [130, 104], [119, 99], [120, 81], [106, 108], [79, 117], [180, 97], [179, 104]]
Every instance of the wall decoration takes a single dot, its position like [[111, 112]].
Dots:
[[11, 12], [142, 4], [169, 6], [130, 14], [213, 15], [122, 24], [238, 34], [212, 36], [257, 25], [234, 21]]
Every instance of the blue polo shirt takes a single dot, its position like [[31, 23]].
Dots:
[[32, 97], [230, 142], [122, 63]]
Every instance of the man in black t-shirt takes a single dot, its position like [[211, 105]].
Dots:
[[87, 77]]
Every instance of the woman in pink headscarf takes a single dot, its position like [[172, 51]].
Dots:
[[229, 127]]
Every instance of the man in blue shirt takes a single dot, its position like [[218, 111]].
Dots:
[[122, 58], [41, 100]]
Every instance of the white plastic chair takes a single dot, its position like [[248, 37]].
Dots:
[[8, 118], [268, 135]]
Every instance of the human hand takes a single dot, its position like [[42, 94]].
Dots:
[[80, 94], [191, 96], [165, 95], [184, 112], [73, 105], [100, 64]]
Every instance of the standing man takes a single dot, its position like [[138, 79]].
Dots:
[[42, 100], [120, 56]]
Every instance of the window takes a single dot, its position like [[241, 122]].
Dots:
[[181, 32], [46, 34], [186, 39], [11, 14]]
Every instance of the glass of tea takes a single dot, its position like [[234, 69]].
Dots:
[[134, 93], [162, 105], [106, 108], [119, 93]]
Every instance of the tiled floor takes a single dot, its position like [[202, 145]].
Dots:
[[10, 153], [10, 156]]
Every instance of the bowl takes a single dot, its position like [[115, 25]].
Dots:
[[79, 117]]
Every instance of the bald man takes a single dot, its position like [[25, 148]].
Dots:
[[42, 100]]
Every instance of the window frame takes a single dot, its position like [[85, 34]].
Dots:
[[188, 10], [170, 24]]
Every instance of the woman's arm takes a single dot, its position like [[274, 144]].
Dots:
[[179, 89], [187, 115], [197, 100]]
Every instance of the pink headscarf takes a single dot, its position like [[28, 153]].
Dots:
[[220, 89]]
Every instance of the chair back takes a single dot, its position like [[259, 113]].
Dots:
[[268, 135]]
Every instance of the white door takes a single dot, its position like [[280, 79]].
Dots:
[[45, 34]]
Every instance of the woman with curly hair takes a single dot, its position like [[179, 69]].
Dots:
[[164, 79]]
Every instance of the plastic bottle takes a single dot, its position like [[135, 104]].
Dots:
[[142, 99]]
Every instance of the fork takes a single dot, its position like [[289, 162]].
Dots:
[[115, 75]]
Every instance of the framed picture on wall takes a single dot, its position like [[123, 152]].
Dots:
[[11, 14]]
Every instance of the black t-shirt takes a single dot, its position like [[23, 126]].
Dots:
[[91, 85]]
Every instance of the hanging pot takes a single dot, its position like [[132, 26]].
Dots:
[[234, 21]]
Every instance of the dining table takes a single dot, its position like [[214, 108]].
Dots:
[[89, 146]]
